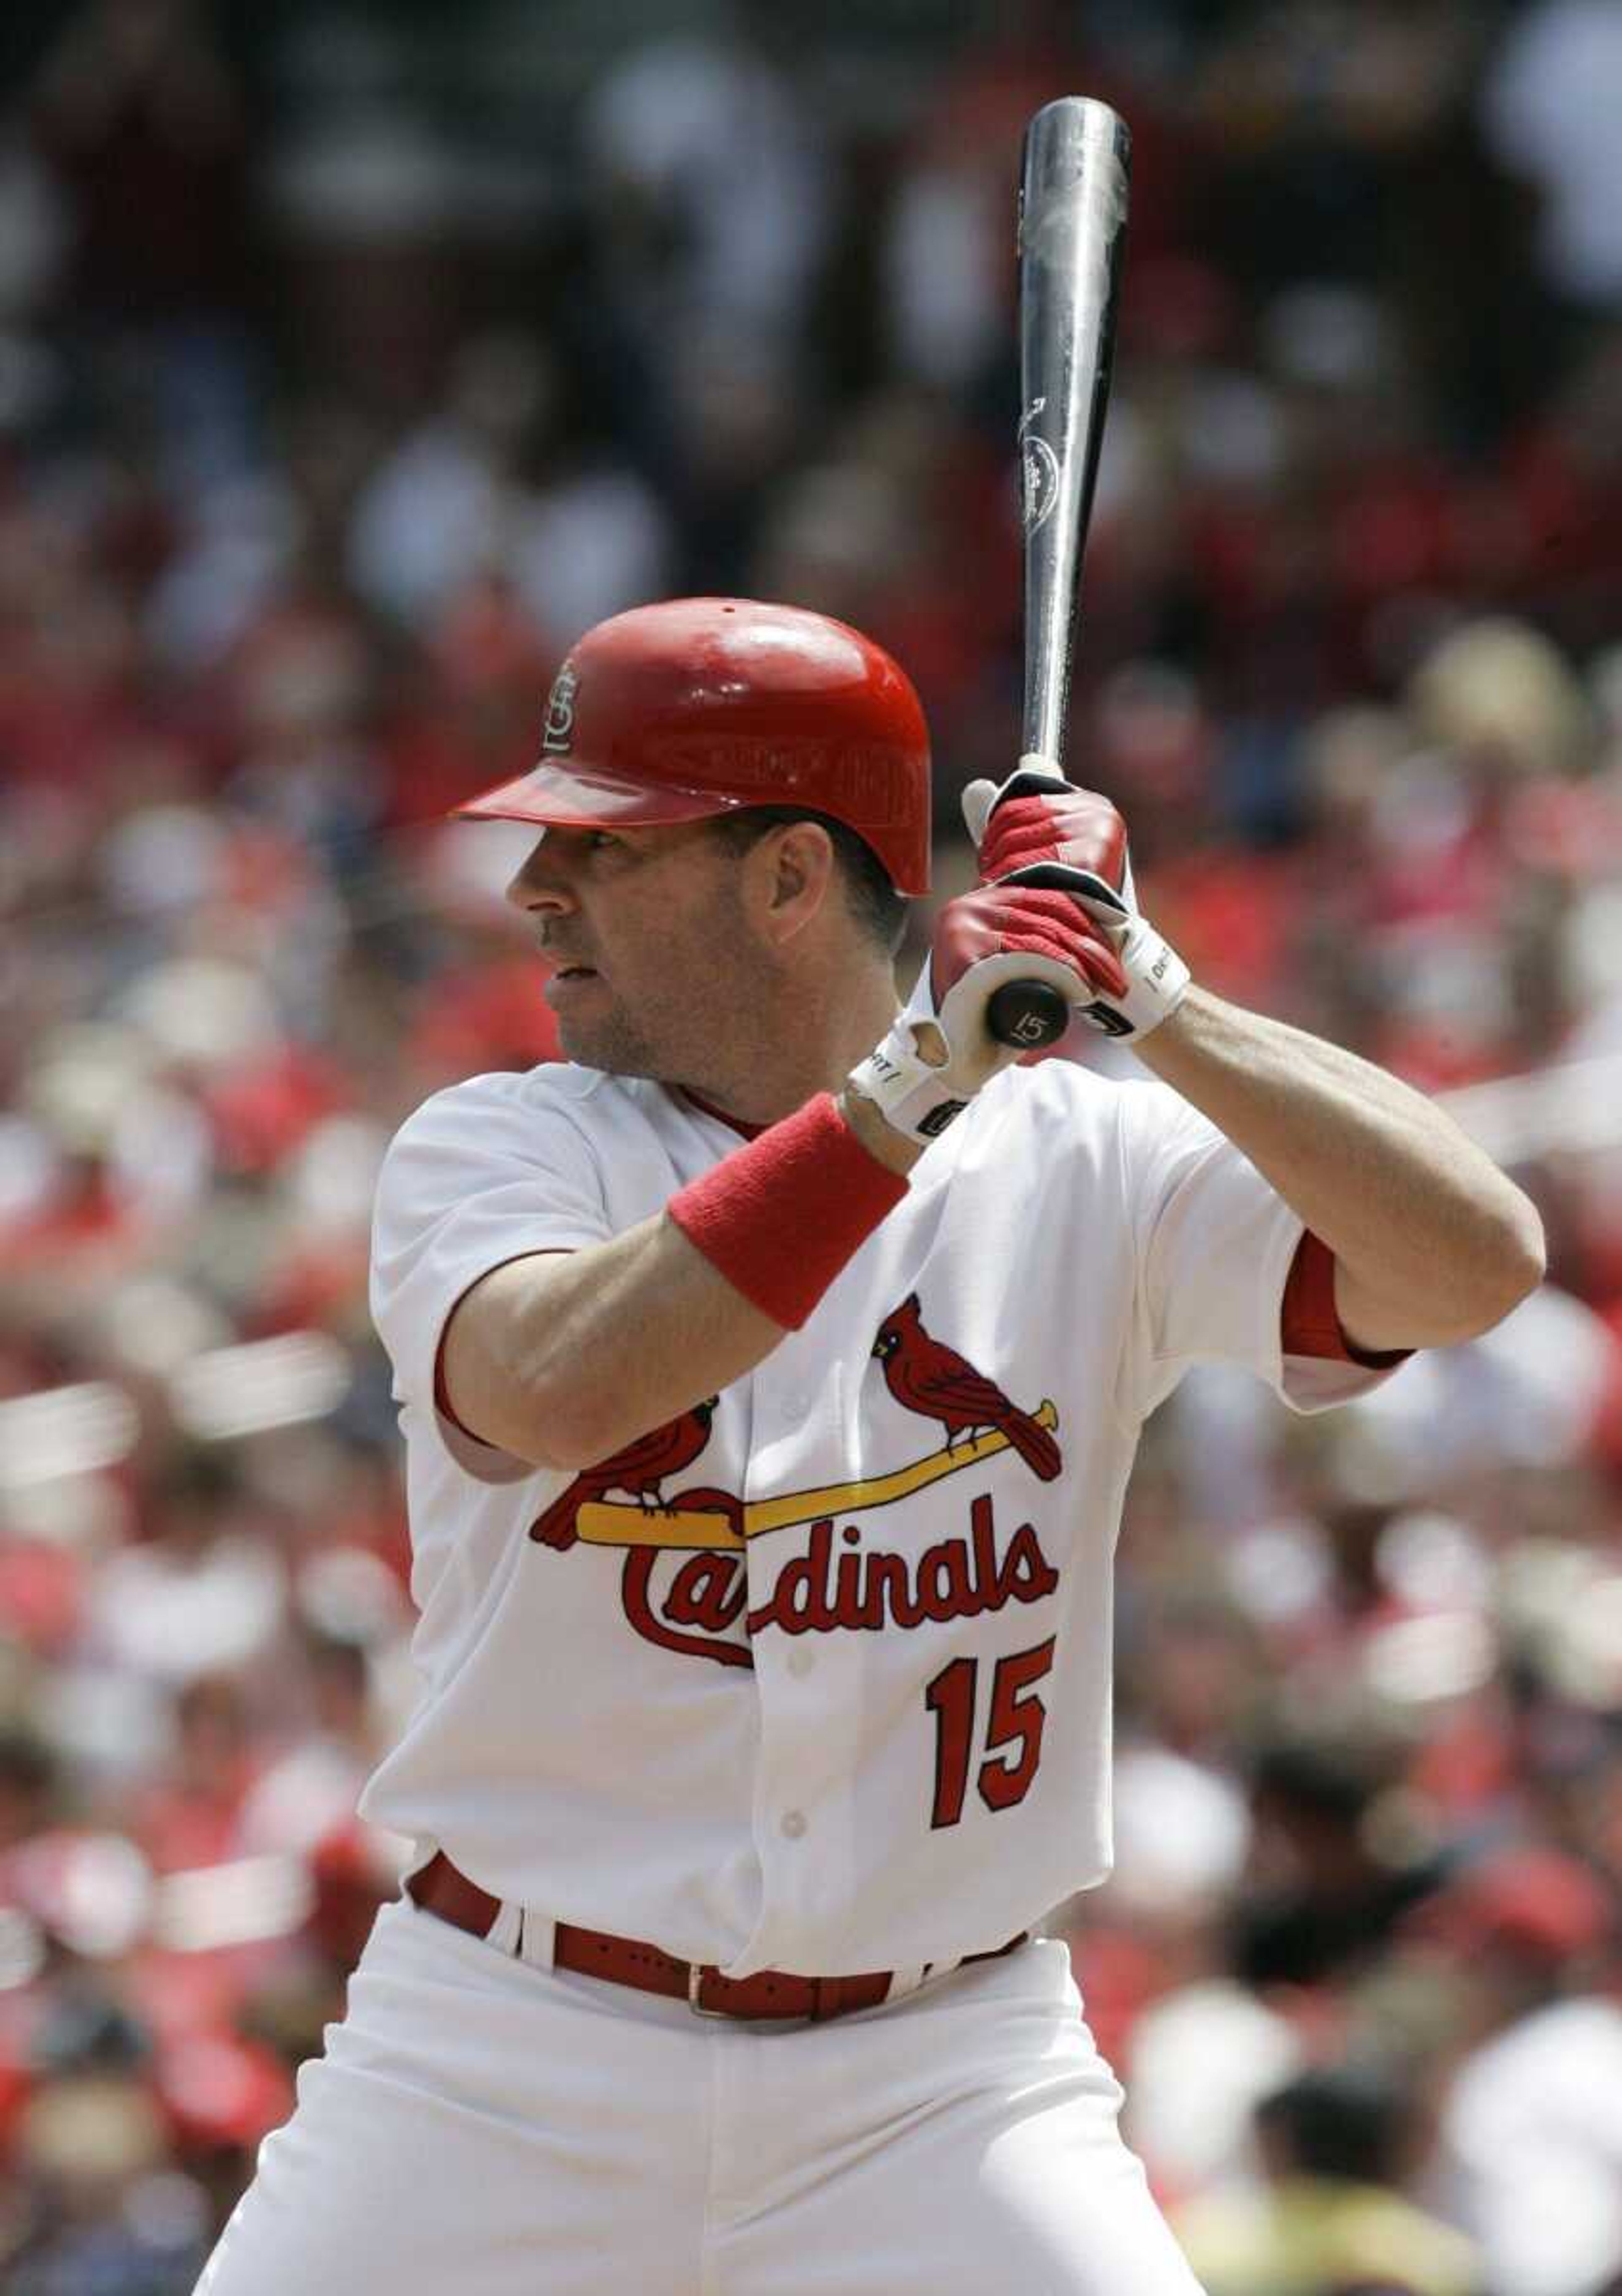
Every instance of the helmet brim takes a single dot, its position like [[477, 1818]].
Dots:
[[584, 797]]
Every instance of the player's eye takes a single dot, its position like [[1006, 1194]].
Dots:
[[601, 840]]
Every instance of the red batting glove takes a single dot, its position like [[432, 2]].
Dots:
[[940, 1051], [1001, 921], [1038, 828], [1038, 815]]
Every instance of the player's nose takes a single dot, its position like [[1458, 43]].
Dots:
[[540, 886]]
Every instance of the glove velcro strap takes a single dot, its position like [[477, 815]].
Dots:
[[1084, 885], [913, 1097], [1157, 978]]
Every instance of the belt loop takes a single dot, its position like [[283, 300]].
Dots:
[[825, 1999], [536, 1939], [506, 1931]]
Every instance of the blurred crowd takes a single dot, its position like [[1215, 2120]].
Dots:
[[323, 430]]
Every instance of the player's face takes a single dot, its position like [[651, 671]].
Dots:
[[655, 966]]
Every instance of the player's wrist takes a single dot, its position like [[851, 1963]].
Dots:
[[915, 1097], [1173, 1047], [807, 1183], [1158, 981], [897, 1152]]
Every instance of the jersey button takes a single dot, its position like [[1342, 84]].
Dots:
[[801, 1662], [793, 1824]]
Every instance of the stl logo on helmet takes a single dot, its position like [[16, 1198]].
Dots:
[[558, 736]]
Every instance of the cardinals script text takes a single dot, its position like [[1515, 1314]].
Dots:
[[827, 1590]]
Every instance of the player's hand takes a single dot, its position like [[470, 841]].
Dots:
[[940, 1052], [1040, 828], [1038, 815]]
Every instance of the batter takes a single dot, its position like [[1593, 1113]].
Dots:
[[770, 1376]]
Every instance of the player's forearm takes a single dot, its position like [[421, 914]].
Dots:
[[565, 1358], [891, 1148], [572, 1356], [1432, 1241]]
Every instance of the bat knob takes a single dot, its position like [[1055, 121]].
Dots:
[[1028, 1014]]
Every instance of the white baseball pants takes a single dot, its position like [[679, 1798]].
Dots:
[[485, 2125]]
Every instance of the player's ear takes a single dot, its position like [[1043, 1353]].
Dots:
[[797, 875]]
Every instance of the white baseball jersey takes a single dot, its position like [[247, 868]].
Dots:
[[820, 1681]]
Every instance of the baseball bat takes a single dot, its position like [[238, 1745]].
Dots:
[[1074, 174]]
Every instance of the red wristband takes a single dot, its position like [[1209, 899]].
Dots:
[[781, 1216]]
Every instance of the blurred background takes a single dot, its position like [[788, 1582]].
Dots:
[[351, 365]]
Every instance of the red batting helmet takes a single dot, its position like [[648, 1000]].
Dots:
[[701, 706]]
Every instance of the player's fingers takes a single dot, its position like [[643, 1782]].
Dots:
[[1083, 830], [1011, 849], [1038, 840], [1087, 954], [1046, 903]]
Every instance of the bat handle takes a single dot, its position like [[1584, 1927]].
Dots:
[[1028, 1014]]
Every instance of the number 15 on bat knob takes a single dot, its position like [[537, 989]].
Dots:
[[1029, 1013]]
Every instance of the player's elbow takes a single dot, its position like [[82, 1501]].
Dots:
[[1510, 1265], [1524, 1254], [511, 1380], [570, 1429], [534, 1423], [1474, 1272]]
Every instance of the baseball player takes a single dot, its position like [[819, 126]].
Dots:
[[770, 1373]]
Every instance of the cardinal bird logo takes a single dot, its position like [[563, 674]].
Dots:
[[640, 1471], [926, 1376]]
